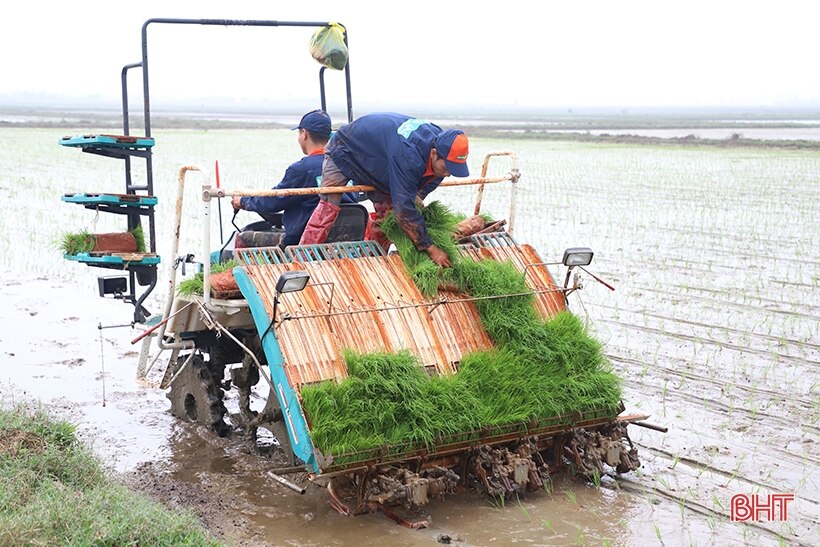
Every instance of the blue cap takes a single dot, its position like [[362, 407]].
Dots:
[[317, 121], [452, 145]]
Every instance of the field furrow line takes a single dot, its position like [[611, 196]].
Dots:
[[670, 319], [719, 366], [699, 466], [600, 191], [798, 284], [699, 340], [738, 451], [698, 377], [732, 253], [792, 299], [812, 309], [725, 303], [693, 268], [712, 403], [788, 454], [694, 506], [733, 237]]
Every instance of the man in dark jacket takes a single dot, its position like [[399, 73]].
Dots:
[[314, 132], [404, 158]]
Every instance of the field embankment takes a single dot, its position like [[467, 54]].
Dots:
[[54, 492]]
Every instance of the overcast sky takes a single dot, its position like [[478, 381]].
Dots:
[[505, 54]]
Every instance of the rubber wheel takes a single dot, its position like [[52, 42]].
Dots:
[[195, 397]]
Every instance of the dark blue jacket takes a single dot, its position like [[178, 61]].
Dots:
[[305, 173], [391, 152]]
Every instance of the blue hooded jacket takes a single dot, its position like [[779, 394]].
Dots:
[[391, 152]]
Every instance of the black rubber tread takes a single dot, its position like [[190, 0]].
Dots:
[[196, 397]]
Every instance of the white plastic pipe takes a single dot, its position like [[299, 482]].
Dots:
[[172, 273]]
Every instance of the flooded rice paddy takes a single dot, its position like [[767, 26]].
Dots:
[[714, 327]]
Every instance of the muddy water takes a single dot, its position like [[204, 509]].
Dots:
[[54, 353], [278, 516]]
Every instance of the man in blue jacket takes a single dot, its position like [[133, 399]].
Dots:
[[404, 158], [314, 132]]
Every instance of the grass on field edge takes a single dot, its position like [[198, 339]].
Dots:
[[53, 491]]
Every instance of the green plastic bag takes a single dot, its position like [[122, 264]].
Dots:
[[327, 45]]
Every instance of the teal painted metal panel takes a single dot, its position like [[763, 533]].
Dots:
[[89, 259], [113, 199], [294, 417], [106, 141]]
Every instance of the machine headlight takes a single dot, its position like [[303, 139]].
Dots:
[[577, 256]]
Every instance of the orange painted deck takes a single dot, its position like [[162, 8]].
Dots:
[[371, 304]]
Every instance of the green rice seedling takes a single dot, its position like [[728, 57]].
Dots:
[[682, 506], [675, 461], [663, 402], [383, 401], [580, 538], [196, 284], [76, 243], [596, 478], [658, 534], [548, 486], [72, 243], [441, 223], [747, 534], [139, 236], [523, 509], [499, 501], [538, 370]]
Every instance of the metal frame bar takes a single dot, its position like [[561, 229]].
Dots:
[[130, 188], [372, 457], [149, 169], [296, 423], [432, 304], [514, 176], [229, 23], [318, 190]]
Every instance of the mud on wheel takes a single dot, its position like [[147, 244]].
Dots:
[[196, 397]]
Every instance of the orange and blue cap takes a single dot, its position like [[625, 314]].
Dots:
[[452, 145]]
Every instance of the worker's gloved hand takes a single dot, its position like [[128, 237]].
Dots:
[[438, 256], [236, 202]]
